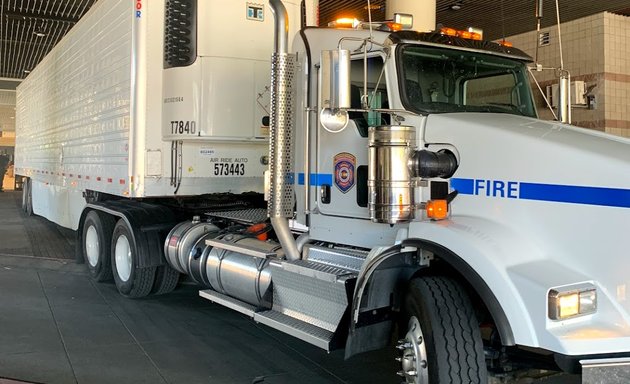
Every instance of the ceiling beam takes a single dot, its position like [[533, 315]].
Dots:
[[19, 16], [30, 44]]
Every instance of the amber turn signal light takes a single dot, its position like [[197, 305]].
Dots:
[[437, 209]]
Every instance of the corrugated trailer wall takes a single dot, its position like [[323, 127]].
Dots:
[[98, 113], [73, 114]]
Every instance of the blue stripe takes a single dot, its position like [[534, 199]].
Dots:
[[463, 186], [610, 197], [575, 194], [316, 179]]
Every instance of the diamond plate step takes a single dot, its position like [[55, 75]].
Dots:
[[325, 272], [350, 259], [304, 331], [226, 301], [243, 216]]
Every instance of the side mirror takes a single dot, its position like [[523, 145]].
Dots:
[[334, 89]]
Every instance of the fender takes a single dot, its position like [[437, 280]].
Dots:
[[398, 263], [486, 254], [519, 274], [479, 250]]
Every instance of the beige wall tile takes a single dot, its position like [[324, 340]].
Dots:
[[596, 48]]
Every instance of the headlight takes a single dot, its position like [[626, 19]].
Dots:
[[572, 301]]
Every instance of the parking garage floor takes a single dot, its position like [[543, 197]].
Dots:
[[58, 326]]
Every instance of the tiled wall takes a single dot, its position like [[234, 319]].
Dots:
[[617, 69], [597, 51]]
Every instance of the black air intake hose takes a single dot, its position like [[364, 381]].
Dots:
[[428, 164]]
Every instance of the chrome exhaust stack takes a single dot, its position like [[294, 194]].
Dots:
[[281, 180]]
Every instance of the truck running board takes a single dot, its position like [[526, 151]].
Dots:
[[310, 299], [312, 334], [227, 301]]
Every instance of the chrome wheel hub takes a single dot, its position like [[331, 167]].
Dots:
[[414, 355], [123, 258], [92, 246]]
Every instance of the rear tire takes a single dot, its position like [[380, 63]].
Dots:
[[97, 239], [443, 343], [131, 281], [166, 279]]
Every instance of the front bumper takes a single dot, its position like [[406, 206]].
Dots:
[[606, 371], [597, 368]]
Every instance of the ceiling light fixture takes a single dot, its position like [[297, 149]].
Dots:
[[456, 6], [39, 34]]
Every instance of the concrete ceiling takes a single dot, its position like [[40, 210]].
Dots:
[[30, 28]]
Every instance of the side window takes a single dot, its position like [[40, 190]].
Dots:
[[376, 93]]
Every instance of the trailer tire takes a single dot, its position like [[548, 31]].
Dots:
[[166, 279], [131, 280], [443, 343], [24, 192], [27, 197], [97, 239]]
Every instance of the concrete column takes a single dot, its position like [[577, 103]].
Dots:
[[312, 12]]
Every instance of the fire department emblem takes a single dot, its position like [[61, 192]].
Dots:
[[345, 164]]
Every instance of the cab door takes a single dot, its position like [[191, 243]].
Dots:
[[342, 157]]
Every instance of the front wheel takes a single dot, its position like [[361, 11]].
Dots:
[[442, 343], [131, 280]]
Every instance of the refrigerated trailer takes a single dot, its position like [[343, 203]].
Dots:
[[108, 110], [368, 183]]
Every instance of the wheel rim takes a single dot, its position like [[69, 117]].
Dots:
[[92, 246], [414, 355], [122, 253]]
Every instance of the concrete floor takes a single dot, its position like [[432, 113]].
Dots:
[[58, 326]]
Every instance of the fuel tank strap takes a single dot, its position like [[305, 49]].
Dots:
[[240, 248]]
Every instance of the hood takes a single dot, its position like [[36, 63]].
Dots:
[[535, 150], [562, 194]]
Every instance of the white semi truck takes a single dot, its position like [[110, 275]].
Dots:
[[381, 185]]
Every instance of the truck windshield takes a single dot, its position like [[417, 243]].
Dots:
[[440, 80]]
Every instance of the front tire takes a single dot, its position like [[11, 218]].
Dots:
[[97, 237], [442, 343], [131, 281]]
